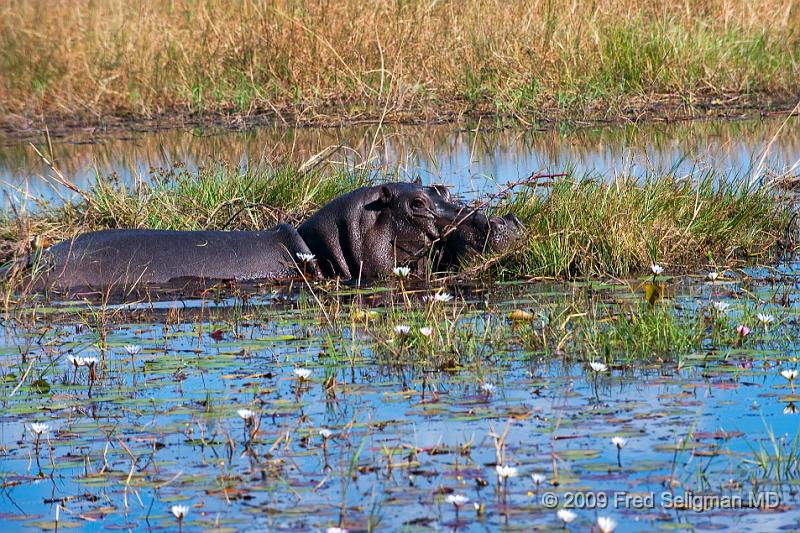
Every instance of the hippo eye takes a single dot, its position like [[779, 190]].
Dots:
[[417, 204]]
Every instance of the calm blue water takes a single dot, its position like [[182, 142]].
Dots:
[[404, 436], [179, 421], [472, 160]]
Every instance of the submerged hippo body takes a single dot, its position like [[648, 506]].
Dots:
[[124, 258], [361, 235]]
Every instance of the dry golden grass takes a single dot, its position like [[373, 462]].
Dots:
[[424, 58]]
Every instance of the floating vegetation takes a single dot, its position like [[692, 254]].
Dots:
[[443, 409]]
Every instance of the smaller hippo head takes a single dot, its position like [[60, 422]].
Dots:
[[482, 234], [466, 231]]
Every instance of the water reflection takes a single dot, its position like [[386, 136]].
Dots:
[[412, 433], [472, 160]]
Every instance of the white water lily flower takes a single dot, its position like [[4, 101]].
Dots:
[[133, 349], [457, 499], [426, 331], [720, 306], [180, 511], [245, 414], [38, 428], [442, 297], [504, 471], [790, 409], [790, 375], [488, 388], [325, 433], [334, 529], [538, 479], [764, 318], [90, 361], [712, 276], [606, 524], [566, 516], [76, 361], [598, 367], [619, 442], [402, 330], [302, 373], [656, 269], [401, 272], [306, 258]]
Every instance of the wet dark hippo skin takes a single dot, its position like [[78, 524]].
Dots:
[[127, 257], [475, 233], [361, 235], [364, 234], [467, 232]]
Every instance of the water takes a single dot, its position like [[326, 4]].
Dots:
[[472, 159], [410, 419], [404, 436]]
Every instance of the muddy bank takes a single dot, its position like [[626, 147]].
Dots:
[[660, 108]]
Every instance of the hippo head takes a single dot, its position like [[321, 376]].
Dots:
[[411, 210], [420, 218], [481, 234], [466, 231], [364, 234]]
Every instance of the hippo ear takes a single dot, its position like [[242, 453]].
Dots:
[[442, 190], [417, 180], [386, 195]]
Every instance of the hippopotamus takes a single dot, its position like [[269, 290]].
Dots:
[[126, 257], [466, 231], [364, 234], [474, 233], [361, 235]]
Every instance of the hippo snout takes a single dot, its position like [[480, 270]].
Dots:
[[509, 222], [505, 231]]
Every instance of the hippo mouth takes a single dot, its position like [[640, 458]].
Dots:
[[429, 227], [482, 233], [504, 231], [432, 234]]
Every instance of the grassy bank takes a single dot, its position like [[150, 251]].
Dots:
[[590, 227], [415, 59], [576, 226]]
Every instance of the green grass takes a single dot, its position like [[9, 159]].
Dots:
[[587, 227], [575, 228], [622, 328], [217, 197]]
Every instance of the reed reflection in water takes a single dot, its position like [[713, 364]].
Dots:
[[473, 160]]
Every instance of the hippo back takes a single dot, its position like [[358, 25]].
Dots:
[[128, 257]]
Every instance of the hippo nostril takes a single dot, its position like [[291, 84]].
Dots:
[[515, 220], [499, 221]]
